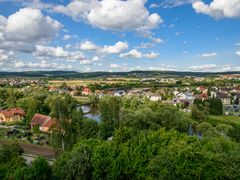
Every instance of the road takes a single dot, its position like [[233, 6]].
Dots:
[[7, 127], [30, 158]]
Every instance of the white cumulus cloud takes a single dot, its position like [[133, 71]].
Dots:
[[137, 54], [88, 45], [58, 53], [67, 37], [23, 29], [131, 54], [86, 62], [114, 49], [219, 8], [112, 14], [204, 67], [209, 55], [238, 53]]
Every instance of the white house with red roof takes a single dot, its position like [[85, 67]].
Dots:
[[44, 122], [12, 115]]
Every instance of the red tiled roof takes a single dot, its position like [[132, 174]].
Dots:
[[87, 90], [12, 112], [50, 123], [41, 120], [52, 88], [203, 95]]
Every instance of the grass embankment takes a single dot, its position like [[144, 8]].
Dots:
[[222, 119], [231, 120]]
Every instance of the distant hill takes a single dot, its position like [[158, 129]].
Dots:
[[73, 74]]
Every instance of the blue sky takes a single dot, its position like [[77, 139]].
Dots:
[[116, 35]]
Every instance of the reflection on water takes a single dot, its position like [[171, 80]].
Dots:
[[92, 116], [91, 113]]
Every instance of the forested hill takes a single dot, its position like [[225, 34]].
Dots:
[[73, 74]]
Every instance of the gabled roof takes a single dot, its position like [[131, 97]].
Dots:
[[87, 90], [203, 95], [12, 112], [42, 120]]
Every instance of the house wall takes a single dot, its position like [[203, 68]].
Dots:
[[85, 93], [45, 129], [2, 118], [226, 101], [10, 119]]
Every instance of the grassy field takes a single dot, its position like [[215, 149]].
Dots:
[[82, 99], [89, 81], [224, 119]]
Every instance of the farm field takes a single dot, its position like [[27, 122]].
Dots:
[[89, 81]]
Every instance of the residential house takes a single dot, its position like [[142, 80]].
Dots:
[[119, 93], [110, 92], [12, 115], [200, 88], [202, 96], [53, 89], [99, 93], [181, 96], [213, 94], [175, 93], [86, 91], [189, 96], [226, 100], [44, 122], [199, 79], [155, 97]]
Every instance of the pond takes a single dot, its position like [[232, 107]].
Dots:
[[91, 113]]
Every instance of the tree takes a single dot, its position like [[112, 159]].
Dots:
[[198, 102], [3, 97], [215, 106], [10, 160], [31, 106], [236, 101], [76, 164], [40, 169], [199, 113], [11, 99], [63, 109], [94, 101], [224, 129], [207, 130], [23, 173], [110, 109], [88, 129]]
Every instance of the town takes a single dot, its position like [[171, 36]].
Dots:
[[48, 116], [181, 92]]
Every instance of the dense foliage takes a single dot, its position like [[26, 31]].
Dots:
[[154, 155]]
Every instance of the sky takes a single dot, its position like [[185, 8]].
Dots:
[[120, 35]]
